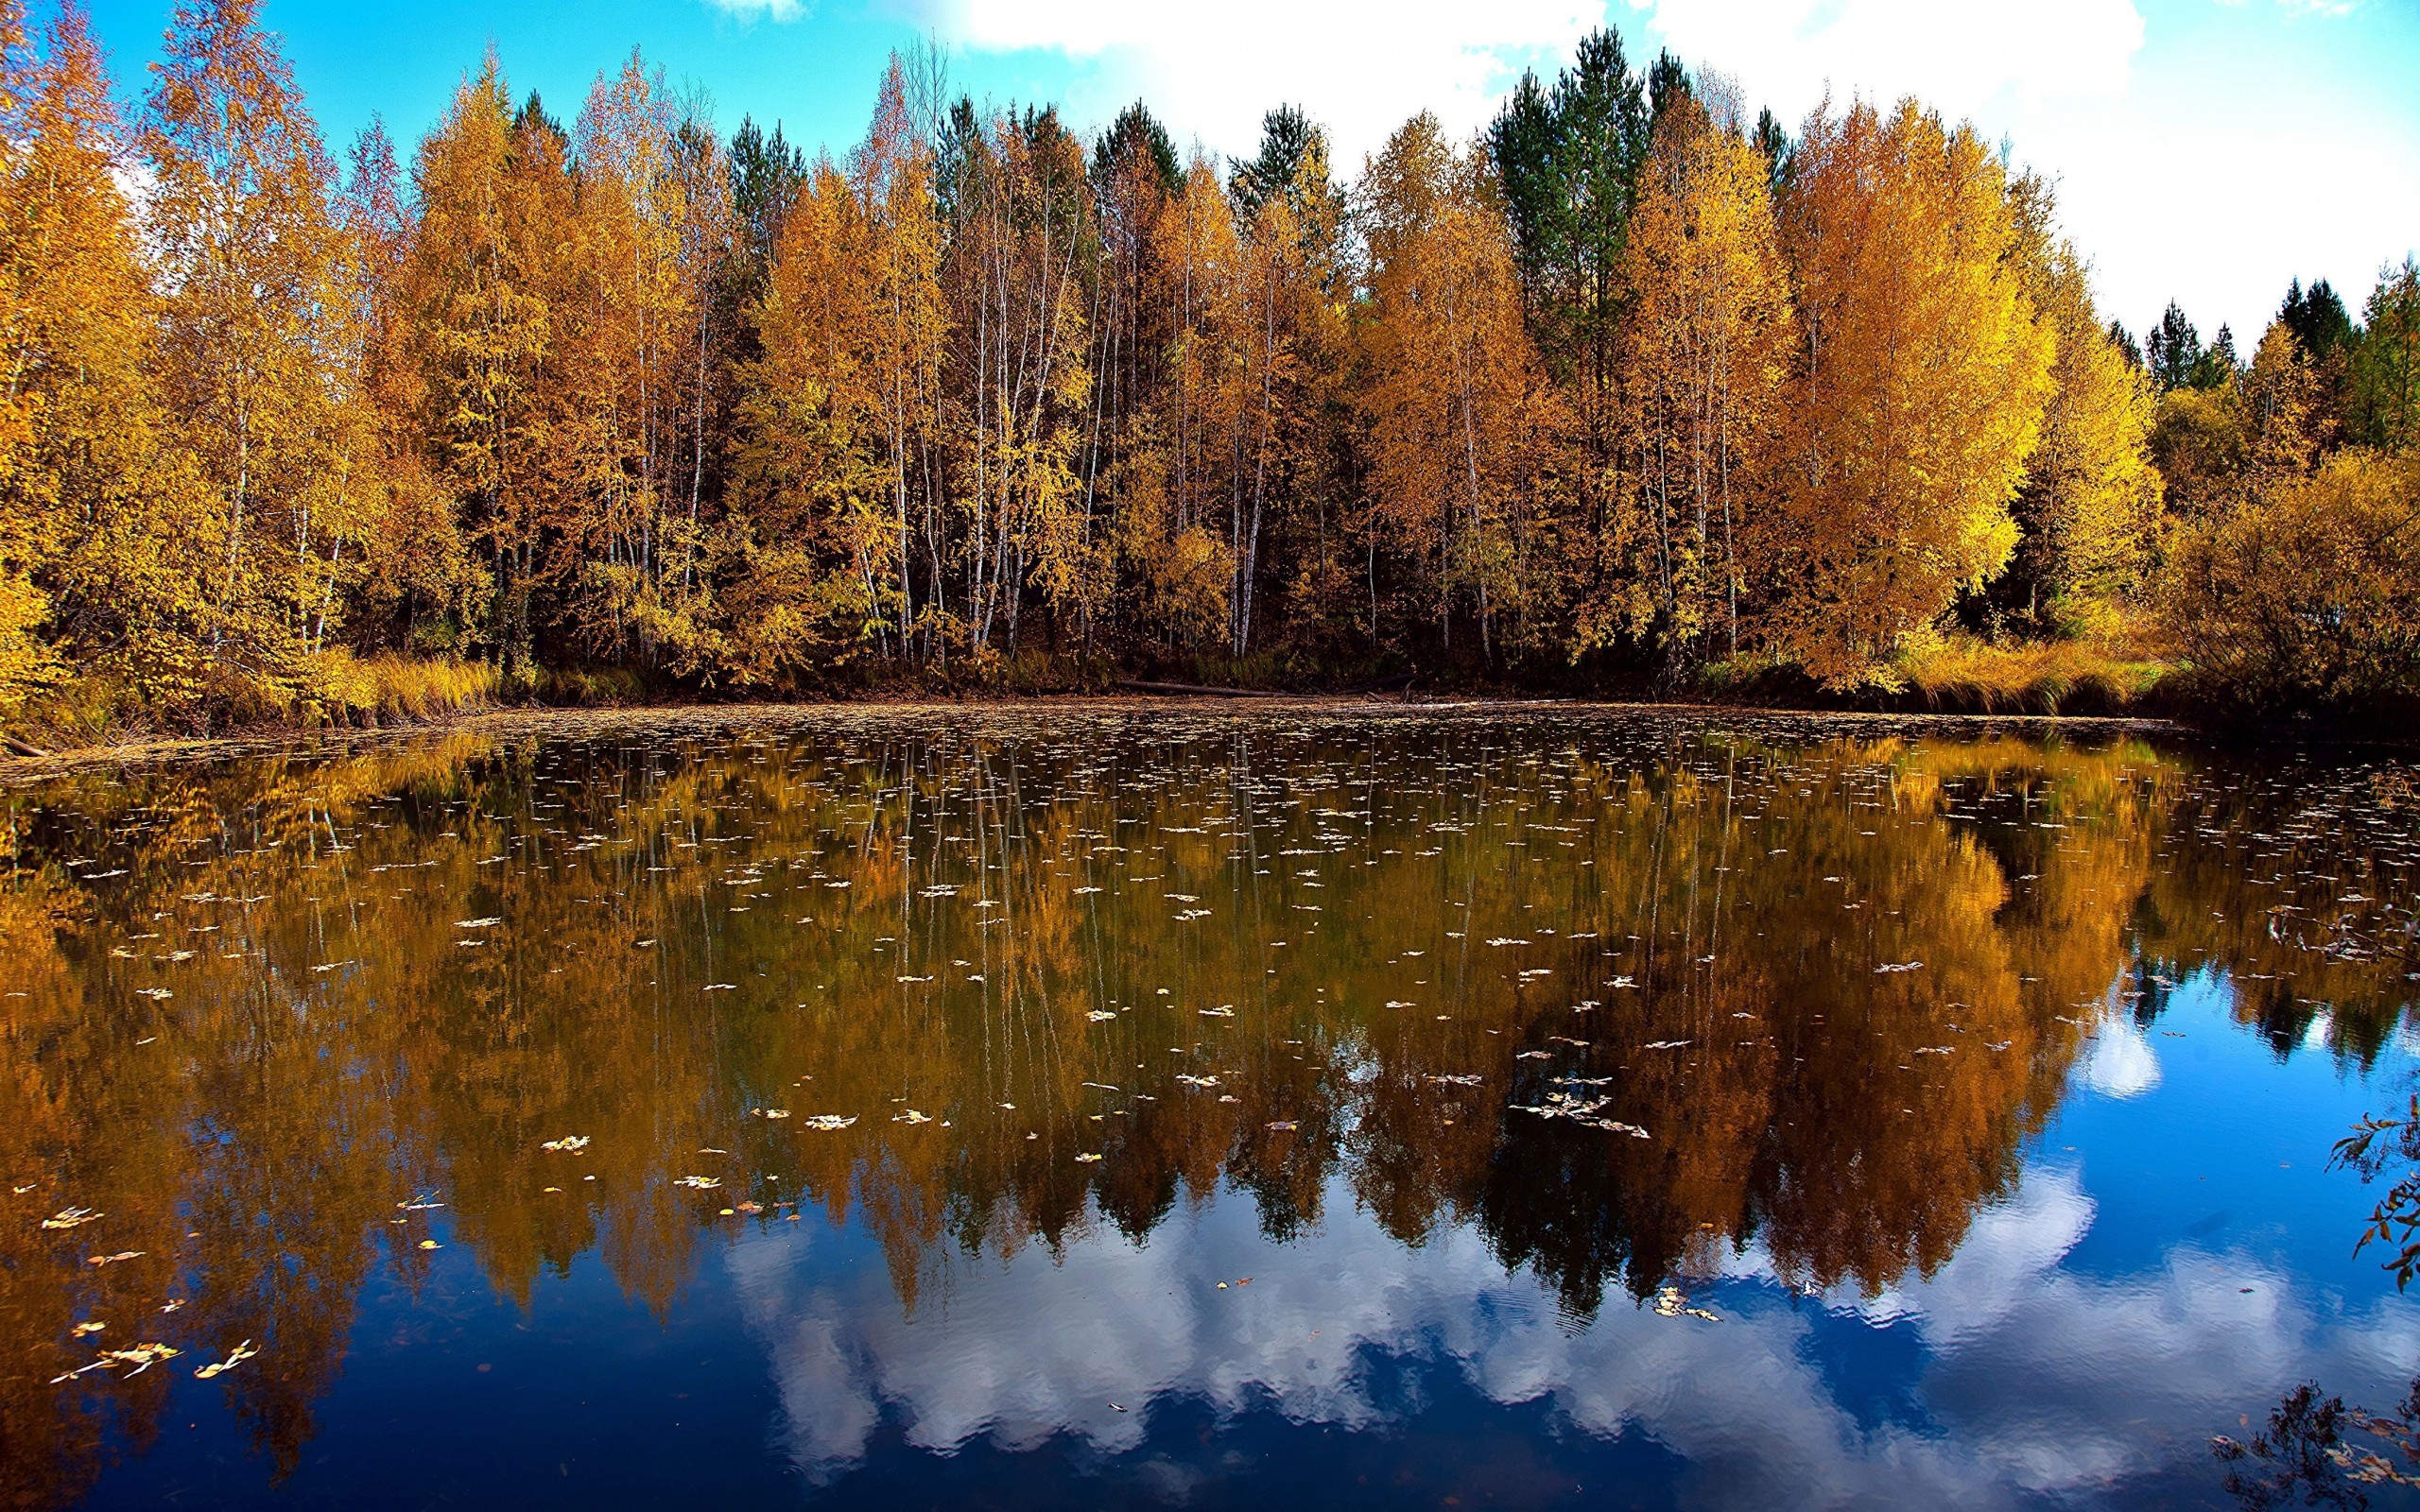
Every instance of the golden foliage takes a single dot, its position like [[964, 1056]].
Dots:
[[1919, 396]]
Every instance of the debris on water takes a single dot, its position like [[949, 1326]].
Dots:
[[572, 1142], [828, 1122], [141, 1356], [1669, 1302], [1898, 966], [235, 1357], [71, 1218], [701, 1183]]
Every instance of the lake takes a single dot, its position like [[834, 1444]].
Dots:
[[1247, 1106]]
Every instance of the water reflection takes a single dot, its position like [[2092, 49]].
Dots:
[[1075, 1017]]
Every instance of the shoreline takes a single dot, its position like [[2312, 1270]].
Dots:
[[571, 719]]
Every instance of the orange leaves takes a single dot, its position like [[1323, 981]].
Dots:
[[1706, 352], [1918, 394], [1462, 428]]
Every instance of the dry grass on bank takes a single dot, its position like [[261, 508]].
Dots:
[[350, 690], [2028, 677]]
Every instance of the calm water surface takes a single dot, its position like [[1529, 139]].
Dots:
[[1129, 1107]]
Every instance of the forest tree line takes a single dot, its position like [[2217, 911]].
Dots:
[[1628, 386]]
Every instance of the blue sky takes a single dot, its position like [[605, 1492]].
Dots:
[[2206, 149]]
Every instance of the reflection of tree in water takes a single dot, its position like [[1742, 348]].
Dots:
[[2315, 1450], [402, 972]]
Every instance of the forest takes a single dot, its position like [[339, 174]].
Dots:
[[1631, 392]]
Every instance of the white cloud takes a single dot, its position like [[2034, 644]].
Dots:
[[2038, 1378], [1359, 67], [764, 10], [1960, 57], [2121, 1062]]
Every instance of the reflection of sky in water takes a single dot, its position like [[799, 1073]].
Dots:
[[1866, 997], [2092, 1330]]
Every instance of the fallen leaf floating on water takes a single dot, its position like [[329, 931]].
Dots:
[[1670, 1303], [1086, 1160], [142, 1356], [71, 1217], [1101, 1015], [476, 923], [1580, 1110], [1898, 966], [1281, 1126], [1470, 1080], [111, 1259], [82, 1330], [830, 1121], [1667, 1044], [1222, 1011], [572, 1142], [771, 1112], [235, 1357], [703, 1183], [910, 1116]]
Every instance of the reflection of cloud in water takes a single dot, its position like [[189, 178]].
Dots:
[[2048, 1380], [2121, 1062]]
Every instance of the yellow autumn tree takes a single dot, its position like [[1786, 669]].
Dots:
[[2088, 513], [1918, 386], [490, 267], [1461, 428], [97, 571], [625, 554], [258, 354], [1705, 347], [1176, 498], [803, 540]]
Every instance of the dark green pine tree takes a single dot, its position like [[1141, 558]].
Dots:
[[2127, 346], [1668, 84], [2218, 362], [1286, 137], [2317, 319], [1137, 129], [2174, 350], [1774, 142], [1569, 160]]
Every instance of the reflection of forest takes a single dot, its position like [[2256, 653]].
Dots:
[[256, 1009]]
